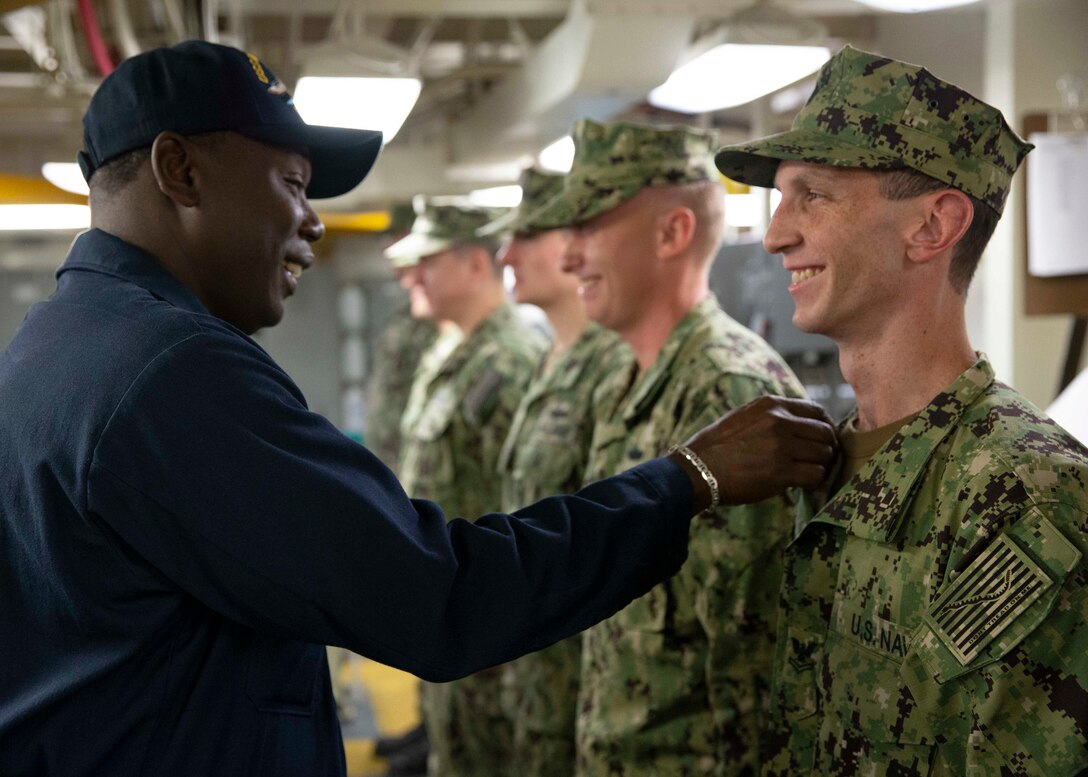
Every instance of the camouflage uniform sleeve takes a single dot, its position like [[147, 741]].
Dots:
[[731, 580], [998, 665]]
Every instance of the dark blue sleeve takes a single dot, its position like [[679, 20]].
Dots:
[[217, 477]]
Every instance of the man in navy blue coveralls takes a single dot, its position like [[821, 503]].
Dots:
[[180, 535]]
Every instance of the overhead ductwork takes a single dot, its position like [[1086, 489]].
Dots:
[[595, 64], [603, 58]]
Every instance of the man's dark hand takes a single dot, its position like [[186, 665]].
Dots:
[[761, 449]]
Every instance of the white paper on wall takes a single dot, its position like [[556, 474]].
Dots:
[[1070, 409], [1058, 204]]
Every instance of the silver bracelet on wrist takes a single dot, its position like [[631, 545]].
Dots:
[[704, 470]]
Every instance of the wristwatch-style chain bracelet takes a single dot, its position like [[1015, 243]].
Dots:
[[704, 470]]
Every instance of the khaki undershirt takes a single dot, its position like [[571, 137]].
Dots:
[[858, 447]]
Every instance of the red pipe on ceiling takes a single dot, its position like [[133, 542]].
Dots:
[[93, 35]]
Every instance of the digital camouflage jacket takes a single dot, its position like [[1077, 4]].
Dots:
[[400, 347], [460, 412], [935, 617], [546, 454], [678, 682], [457, 419]]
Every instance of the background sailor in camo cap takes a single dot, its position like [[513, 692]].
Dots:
[[546, 453], [459, 413], [678, 682]]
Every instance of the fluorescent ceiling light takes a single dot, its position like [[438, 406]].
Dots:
[[734, 74], [360, 103], [67, 176], [486, 172], [558, 157], [40, 217], [914, 6], [496, 196]]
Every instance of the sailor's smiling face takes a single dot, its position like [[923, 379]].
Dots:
[[842, 241], [614, 258], [254, 229], [536, 261]]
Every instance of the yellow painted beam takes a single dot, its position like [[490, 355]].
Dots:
[[734, 187], [373, 221], [31, 190]]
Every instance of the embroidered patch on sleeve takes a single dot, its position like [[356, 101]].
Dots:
[[998, 586]]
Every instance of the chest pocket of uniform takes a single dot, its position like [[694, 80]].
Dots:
[[865, 657], [436, 415], [558, 424], [556, 450], [282, 675]]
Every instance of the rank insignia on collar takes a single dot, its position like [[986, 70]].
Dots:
[[989, 595]]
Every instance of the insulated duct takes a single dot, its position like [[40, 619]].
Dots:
[[600, 60]]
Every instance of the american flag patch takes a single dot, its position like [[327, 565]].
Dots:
[[999, 585]]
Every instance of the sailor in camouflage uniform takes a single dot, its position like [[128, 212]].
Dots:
[[679, 681], [934, 610], [546, 454], [408, 333], [462, 403], [403, 341]]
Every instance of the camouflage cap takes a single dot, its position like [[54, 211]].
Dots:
[[614, 162], [537, 188], [437, 227], [875, 112]]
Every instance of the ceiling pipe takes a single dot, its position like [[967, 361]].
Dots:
[[94, 38], [211, 20], [423, 37], [122, 24], [62, 34], [235, 35], [175, 21]]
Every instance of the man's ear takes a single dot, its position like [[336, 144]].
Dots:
[[482, 262], [676, 230], [172, 164], [946, 216]]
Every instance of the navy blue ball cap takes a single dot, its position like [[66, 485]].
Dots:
[[197, 87]]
